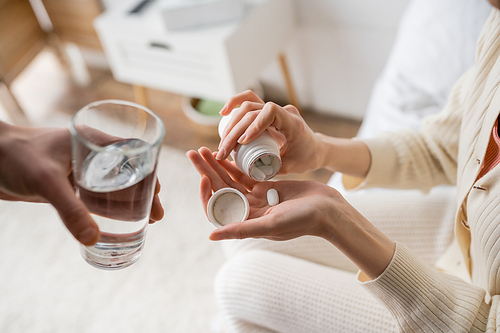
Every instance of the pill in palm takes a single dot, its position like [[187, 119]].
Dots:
[[266, 160], [258, 174], [267, 169], [273, 197]]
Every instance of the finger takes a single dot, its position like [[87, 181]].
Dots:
[[208, 156], [237, 175], [95, 136], [238, 114], [205, 192], [205, 169], [238, 99], [234, 130], [230, 141], [12, 197], [157, 186], [252, 125], [72, 210], [272, 115], [254, 228], [157, 211], [278, 136]]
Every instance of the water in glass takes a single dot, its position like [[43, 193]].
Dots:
[[118, 189]]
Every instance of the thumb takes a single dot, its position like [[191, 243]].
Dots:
[[73, 212], [205, 191], [256, 228]]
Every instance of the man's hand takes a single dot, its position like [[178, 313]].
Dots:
[[35, 166]]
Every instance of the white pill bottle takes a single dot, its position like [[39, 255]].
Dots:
[[259, 159]]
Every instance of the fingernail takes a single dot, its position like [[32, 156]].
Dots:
[[242, 138], [223, 109], [88, 235], [220, 154], [216, 237]]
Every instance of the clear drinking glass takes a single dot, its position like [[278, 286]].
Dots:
[[115, 147]]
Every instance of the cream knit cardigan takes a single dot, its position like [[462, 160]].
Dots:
[[448, 149]]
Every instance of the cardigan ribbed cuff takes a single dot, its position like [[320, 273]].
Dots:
[[422, 299], [383, 159]]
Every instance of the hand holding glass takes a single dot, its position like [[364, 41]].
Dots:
[[115, 148]]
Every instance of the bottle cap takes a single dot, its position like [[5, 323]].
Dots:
[[226, 206]]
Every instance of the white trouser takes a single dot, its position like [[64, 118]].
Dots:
[[307, 285]]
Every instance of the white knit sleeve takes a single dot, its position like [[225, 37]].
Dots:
[[423, 299], [423, 159]]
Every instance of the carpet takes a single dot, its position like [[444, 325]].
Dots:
[[47, 287]]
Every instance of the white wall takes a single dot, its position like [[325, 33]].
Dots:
[[340, 48]]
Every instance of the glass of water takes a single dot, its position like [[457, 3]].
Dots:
[[115, 147]]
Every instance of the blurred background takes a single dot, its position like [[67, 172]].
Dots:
[[182, 59]]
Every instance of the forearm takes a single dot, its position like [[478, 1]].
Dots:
[[351, 157], [366, 246]]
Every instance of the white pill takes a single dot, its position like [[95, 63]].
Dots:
[[272, 197], [258, 174], [258, 163], [266, 160], [267, 169]]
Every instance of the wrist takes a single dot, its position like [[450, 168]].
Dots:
[[351, 157], [365, 245], [322, 151]]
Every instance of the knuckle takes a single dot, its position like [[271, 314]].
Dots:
[[248, 92], [272, 109], [291, 108], [271, 105], [245, 105]]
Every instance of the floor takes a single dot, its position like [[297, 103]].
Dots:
[[45, 90], [47, 287]]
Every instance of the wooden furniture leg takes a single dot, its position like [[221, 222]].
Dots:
[[9, 102], [57, 47], [140, 95], [290, 90]]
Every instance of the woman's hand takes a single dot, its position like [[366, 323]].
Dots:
[[35, 166], [300, 147], [305, 208]]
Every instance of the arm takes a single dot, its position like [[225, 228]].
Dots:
[[421, 160], [301, 149], [327, 213], [421, 298], [404, 159]]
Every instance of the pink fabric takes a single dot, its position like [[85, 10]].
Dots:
[[492, 156]]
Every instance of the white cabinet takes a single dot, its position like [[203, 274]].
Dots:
[[213, 62]]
